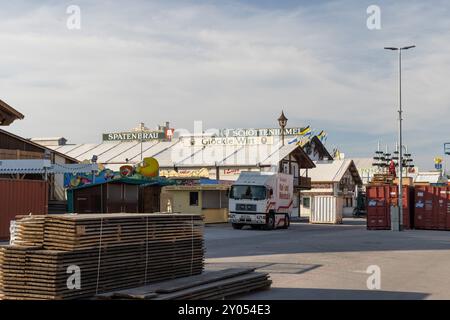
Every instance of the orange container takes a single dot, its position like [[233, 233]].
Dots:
[[379, 201], [432, 208], [19, 197]]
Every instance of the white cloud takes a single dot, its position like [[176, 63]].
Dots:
[[229, 65]]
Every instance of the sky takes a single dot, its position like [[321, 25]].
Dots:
[[230, 64]]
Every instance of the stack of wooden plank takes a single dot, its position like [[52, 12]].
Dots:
[[2, 295], [211, 285], [382, 178], [29, 231], [110, 251]]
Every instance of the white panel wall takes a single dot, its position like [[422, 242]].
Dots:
[[326, 209]]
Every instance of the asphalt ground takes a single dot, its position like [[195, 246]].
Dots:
[[331, 261]]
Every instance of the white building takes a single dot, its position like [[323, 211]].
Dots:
[[338, 179], [430, 177], [209, 157]]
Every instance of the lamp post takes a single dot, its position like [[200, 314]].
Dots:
[[142, 137], [400, 142], [282, 121], [94, 161]]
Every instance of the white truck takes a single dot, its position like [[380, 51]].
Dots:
[[262, 200]]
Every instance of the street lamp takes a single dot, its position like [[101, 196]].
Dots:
[[94, 160], [282, 121], [400, 142]]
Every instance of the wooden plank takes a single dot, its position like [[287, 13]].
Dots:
[[113, 252], [182, 283]]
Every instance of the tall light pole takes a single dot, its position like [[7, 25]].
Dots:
[[400, 141]]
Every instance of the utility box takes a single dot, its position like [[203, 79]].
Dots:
[[395, 215]]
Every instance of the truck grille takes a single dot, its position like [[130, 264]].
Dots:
[[245, 207]]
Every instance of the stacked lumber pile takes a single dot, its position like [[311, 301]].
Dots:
[[29, 231], [211, 285], [111, 251], [382, 178]]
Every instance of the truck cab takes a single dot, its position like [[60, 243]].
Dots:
[[262, 200]]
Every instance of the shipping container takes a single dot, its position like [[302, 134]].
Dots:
[[326, 209], [111, 197], [115, 196], [432, 208], [379, 201], [20, 197]]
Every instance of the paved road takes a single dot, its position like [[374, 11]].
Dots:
[[330, 262]]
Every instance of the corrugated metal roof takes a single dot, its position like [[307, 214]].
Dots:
[[278, 154], [207, 156], [76, 153], [430, 177], [363, 163], [252, 155], [47, 138], [64, 149], [328, 171], [38, 166], [181, 154], [99, 150], [255, 178], [114, 152], [133, 154], [175, 153], [156, 150]]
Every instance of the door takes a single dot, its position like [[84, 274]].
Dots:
[[130, 198], [114, 198], [151, 199]]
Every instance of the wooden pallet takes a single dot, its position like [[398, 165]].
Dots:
[[113, 251], [382, 178], [211, 285]]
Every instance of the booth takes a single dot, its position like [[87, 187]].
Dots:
[[207, 200]]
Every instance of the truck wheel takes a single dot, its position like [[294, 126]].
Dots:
[[255, 227], [270, 225], [237, 226]]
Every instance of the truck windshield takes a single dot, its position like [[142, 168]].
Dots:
[[248, 192]]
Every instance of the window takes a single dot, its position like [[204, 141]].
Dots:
[[306, 202], [193, 198], [239, 192], [214, 199]]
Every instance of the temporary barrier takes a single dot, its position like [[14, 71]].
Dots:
[[326, 209], [19, 197], [432, 208], [379, 200]]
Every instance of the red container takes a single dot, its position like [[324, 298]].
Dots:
[[432, 208], [19, 197], [379, 201]]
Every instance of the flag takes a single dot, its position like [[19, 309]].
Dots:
[[322, 136], [305, 131], [293, 140], [300, 138]]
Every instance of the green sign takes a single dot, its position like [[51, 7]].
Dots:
[[134, 136]]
